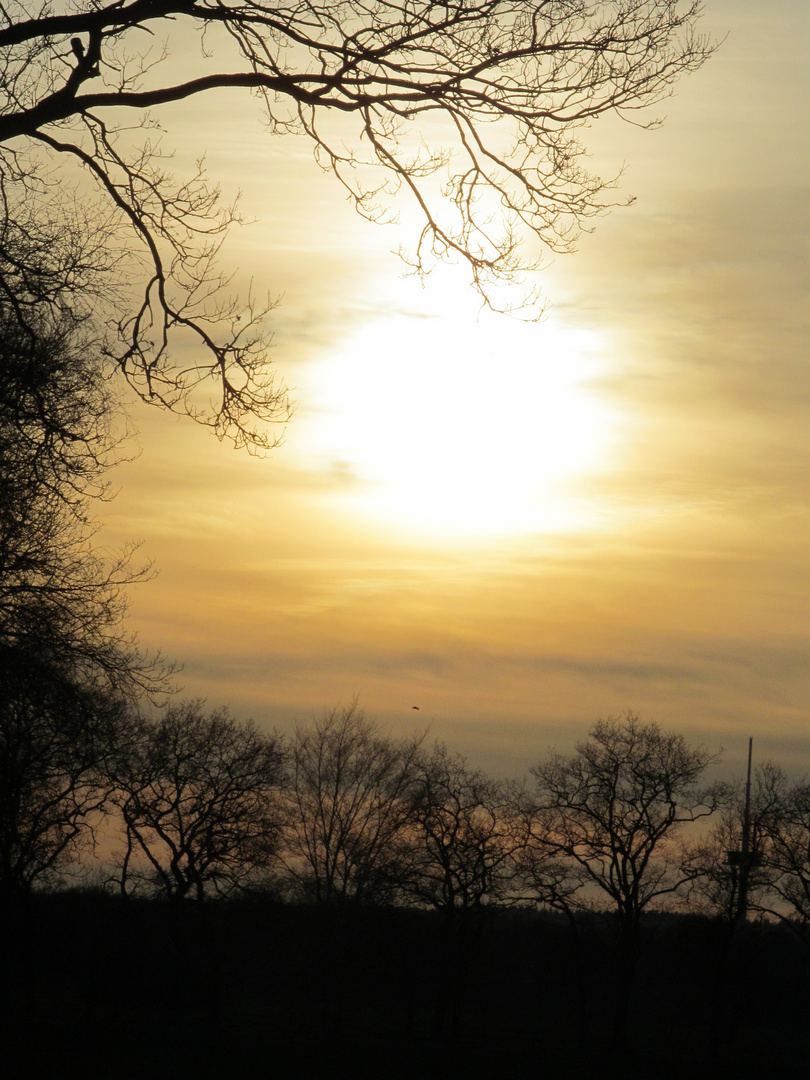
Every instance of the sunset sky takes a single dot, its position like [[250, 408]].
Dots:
[[517, 527]]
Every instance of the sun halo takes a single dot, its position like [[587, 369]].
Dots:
[[459, 429]]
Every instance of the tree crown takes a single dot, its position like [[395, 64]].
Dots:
[[470, 111]]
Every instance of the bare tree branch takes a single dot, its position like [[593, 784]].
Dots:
[[470, 111]]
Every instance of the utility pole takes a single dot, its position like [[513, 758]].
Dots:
[[742, 861], [745, 862]]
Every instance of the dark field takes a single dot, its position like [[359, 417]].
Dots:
[[95, 986]]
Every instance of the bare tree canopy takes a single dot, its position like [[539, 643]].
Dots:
[[790, 856], [470, 110], [613, 807], [465, 833], [53, 732], [66, 661], [198, 795], [62, 600], [347, 809], [783, 822], [612, 811]]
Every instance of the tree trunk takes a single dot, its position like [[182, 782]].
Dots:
[[628, 955]]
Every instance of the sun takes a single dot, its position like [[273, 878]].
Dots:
[[451, 426]]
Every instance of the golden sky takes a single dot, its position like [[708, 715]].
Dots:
[[517, 527]]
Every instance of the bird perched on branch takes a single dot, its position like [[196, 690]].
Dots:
[[79, 51]]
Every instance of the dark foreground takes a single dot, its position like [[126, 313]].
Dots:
[[97, 987]]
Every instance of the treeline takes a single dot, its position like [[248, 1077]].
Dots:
[[195, 804]]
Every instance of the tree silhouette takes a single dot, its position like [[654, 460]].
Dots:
[[786, 857], [347, 808], [67, 664], [728, 881], [199, 799], [53, 734], [460, 852], [465, 832], [612, 811], [398, 98]]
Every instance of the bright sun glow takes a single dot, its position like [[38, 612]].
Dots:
[[445, 426]]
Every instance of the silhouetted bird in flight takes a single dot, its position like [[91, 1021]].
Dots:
[[415, 707]]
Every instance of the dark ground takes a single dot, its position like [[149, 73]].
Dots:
[[97, 987]]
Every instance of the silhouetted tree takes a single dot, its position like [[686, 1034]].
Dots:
[[465, 832], [724, 884], [66, 660], [347, 807], [394, 96], [54, 731], [613, 810], [786, 856], [199, 796], [458, 854], [759, 865], [777, 877], [549, 879]]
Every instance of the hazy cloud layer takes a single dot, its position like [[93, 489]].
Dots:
[[685, 597]]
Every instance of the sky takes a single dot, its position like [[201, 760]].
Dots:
[[517, 527]]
